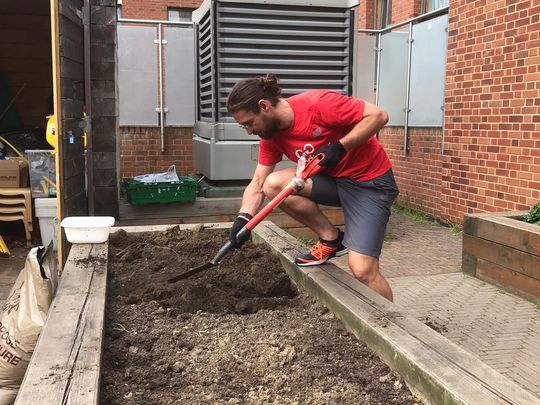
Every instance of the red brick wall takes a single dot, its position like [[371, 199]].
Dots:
[[365, 14], [154, 9], [492, 121], [417, 173], [140, 150], [404, 9]]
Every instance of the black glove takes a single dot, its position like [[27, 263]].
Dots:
[[333, 154], [241, 220]]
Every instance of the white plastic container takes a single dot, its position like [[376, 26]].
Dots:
[[48, 221], [87, 229]]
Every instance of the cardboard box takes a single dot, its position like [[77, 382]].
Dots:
[[13, 173]]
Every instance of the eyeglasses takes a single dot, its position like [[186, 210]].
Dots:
[[247, 125]]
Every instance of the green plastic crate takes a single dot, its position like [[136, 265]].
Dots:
[[139, 193]]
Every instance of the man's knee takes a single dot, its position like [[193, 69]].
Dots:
[[274, 183], [364, 268]]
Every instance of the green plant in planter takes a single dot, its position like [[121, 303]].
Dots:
[[533, 216]]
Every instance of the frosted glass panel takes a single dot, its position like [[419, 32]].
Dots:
[[365, 68], [428, 72], [393, 76], [179, 76], [137, 75]]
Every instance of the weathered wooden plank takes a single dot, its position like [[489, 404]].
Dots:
[[71, 69], [200, 207], [468, 263], [75, 204], [74, 184], [519, 284], [71, 49], [65, 366], [512, 259], [71, 12], [506, 230], [73, 165], [441, 371], [162, 228], [103, 15]]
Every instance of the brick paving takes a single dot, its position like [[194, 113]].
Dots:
[[422, 262]]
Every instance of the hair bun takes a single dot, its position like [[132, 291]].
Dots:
[[268, 81]]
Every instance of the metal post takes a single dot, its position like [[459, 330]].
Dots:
[[160, 72], [378, 67], [407, 100], [91, 190]]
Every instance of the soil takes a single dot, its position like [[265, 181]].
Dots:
[[238, 333]]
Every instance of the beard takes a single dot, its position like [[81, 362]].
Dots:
[[269, 128]]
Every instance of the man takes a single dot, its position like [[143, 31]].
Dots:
[[358, 174]]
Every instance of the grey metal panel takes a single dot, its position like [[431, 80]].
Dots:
[[227, 160], [206, 68], [137, 75], [364, 85], [310, 3], [393, 76], [306, 47], [179, 76], [428, 72]]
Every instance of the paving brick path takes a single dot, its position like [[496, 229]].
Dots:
[[422, 262]]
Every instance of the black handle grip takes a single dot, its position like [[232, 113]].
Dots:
[[226, 248]]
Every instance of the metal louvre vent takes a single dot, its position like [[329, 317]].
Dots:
[[206, 71], [306, 47]]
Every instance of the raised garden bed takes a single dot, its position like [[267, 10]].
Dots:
[[240, 332], [256, 335], [501, 249]]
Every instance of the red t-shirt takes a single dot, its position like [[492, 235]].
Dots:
[[322, 117]]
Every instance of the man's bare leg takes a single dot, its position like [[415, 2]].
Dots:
[[366, 269], [300, 207]]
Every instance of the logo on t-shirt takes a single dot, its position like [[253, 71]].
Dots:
[[316, 132], [308, 150]]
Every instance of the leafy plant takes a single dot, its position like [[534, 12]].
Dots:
[[533, 216]]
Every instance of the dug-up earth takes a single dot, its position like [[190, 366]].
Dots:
[[239, 333]]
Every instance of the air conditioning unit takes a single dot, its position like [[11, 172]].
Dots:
[[306, 44]]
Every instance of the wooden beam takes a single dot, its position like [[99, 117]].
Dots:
[[506, 231], [512, 259], [55, 47], [65, 366]]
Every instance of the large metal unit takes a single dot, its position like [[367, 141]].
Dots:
[[307, 44]]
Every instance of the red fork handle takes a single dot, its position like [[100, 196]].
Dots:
[[311, 168]]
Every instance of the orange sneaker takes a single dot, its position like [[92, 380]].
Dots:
[[321, 252]]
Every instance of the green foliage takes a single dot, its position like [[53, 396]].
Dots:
[[455, 228], [533, 216], [412, 213]]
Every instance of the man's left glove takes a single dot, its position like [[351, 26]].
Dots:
[[333, 154], [241, 220]]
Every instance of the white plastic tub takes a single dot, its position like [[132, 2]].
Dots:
[[87, 229], [48, 222]]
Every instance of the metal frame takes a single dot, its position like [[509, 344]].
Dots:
[[160, 42], [410, 22]]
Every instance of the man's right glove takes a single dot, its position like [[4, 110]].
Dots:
[[241, 220], [333, 154]]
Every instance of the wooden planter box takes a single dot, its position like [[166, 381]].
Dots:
[[66, 363], [501, 249]]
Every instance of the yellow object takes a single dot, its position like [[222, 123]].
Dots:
[[50, 132], [4, 251], [14, 149]]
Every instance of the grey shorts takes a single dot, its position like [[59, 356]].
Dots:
[[366, 207]]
